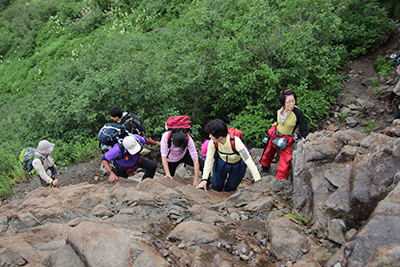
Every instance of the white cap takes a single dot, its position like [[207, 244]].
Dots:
[[131, 145], [45, 147]]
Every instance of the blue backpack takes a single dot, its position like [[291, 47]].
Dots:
[[110, 134]]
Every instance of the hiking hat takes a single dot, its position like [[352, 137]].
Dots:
[[45, 147], [131, 145]]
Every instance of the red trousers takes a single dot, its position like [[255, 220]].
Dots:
[[285, 156]]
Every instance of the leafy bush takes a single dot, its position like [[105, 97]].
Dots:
[[253, 124], [383, 65], [64, 63], [343, 117], [78, 150], [364, 25], [375, 82], [368, 126]]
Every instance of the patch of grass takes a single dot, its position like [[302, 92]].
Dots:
[[375, 82], [343, 117], [299, 217], [383, 65], [368, 126]]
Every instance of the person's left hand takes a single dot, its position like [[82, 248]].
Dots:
[[203, 185], [168, 176]]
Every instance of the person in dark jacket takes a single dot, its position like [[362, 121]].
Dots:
[[287, 118], [124, 118]]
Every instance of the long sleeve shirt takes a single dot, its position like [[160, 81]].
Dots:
[[229, 156], [116, 154], [42, 167], [294, 119], [177, 153]]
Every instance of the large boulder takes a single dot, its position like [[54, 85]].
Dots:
[[378, 242], [343, 175]]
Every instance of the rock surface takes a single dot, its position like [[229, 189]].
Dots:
[[342, 195]]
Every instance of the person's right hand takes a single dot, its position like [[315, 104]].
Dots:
[[203, 185], [168, 176], [55, 182], [112, 177], [272, 131]]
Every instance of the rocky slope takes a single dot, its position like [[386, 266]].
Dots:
[[342, 196], [340, 206]]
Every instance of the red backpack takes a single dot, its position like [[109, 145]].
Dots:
[[232, 133], [177, 124]]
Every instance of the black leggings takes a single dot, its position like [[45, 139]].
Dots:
[[187, 160], [149, 166]]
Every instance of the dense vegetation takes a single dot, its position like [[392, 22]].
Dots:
[[64, 63]]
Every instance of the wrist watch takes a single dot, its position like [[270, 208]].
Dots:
[[108, 172]]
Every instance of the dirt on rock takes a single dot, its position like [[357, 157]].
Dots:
[[356, 72]]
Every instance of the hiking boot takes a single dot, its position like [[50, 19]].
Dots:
[[264, 169], [389, 108]]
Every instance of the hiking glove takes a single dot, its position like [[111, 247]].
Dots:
[[296, 137], [271, 132]]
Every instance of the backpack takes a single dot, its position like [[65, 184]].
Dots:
[[232, 133], [26, 156], [177, 124], [109, 135], [136, 124]]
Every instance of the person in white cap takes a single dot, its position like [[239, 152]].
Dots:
[[124, 159], [43, 163]]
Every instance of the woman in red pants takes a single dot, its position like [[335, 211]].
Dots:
[[287, 118]]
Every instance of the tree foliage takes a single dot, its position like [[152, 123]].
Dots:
[[64, 63]]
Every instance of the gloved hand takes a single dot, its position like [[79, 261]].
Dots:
[[266, 140], [272, 131], [296, 137]]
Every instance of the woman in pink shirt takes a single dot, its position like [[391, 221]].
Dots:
[[204, 149], [181, 150]]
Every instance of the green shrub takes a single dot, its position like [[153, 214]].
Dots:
[[383, 65], [368, 126], [375, 82], [253, 124], [343, 117], [364, 25]]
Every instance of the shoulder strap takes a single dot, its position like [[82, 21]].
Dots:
[[232, 137], [37, 157], [169, 139], [121, 147]]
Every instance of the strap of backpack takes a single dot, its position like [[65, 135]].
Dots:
[[121, 147], [232, 137]]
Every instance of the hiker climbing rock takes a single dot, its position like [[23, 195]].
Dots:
[[229, 158], [124, 159], [177, 146], [282, 134], [39, 163]]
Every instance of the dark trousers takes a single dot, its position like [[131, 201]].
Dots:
[[149, 166], [187, 160], [227, 176]]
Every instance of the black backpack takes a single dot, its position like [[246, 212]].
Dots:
[[135, 124]]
